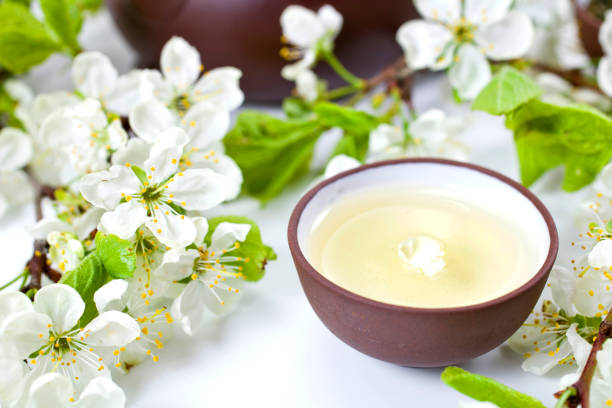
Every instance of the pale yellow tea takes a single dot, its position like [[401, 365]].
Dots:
[[421, 247]]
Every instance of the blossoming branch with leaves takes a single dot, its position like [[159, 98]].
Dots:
[[123, 170]]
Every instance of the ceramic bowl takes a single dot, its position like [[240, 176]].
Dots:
[[423, 337]]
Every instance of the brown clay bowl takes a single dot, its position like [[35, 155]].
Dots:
[[246, 34], [423, 337]]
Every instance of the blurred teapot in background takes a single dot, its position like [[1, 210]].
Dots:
[[246, 34]]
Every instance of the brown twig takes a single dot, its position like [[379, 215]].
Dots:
[[583, 385]]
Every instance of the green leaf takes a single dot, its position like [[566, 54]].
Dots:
[[547, 136], [89, 5], [271, 152], [486, 389], [140, 173], [117, 255], [505, 92], [88, 277], [353, 145], [24, 41], [296, 108], [65, 19], [252, 247], [350, 120], [7, 110]]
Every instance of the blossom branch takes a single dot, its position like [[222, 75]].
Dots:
[[582, 387]]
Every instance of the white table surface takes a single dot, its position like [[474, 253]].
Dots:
[[273, 351]]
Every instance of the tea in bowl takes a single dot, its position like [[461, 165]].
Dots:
[[422, 262]]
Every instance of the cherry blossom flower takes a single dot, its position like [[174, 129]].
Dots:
[[558, 91], [46, 335], [460, 36], [95, 77], [180, 87], [210, 272], [83, 135], [307, 31], [156, 195], [142, 302], [205, 125]]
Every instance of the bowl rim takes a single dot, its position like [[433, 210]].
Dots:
[[303, 264]]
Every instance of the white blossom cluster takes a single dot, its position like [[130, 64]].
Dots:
[[148, 184]]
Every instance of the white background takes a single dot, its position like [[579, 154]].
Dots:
[[273, 351]]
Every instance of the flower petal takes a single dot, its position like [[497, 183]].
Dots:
[[13, 302], [604, 75], [541, 363], [199, 189], [86, 223], [580, 347], [509, 38], [447, 11], [180, 63], [62, 304], [482, 12], [124, 220], [340, 163], [592, 297], [20, 333], [220, 87], [15, 149], [220, 164], [307, 85], [423, 43], [112, 328], [301, 26], [163, 161], [108, 297], [605, 33], [563, 285], [51, 390], [150, 118], [12, 378], [330, 18], [129, 90], [177, 264], [471, 73], [135, 152], [601, 254], [93, 74], [101, 393], [105, 188], [227, 234], [206, 124], [188, 308], [173, 230], [202, 229]]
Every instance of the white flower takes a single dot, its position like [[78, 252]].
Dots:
[[460, 35], [205, 125], [83, 135], [556, 40], [46, 335], [181, 87], [155, 195], [558, 91], [211, 272], [601, 383], [307, 30], [604, 69], [307, 85], [432, 134], [340, 163], [15, 153], [95, 77], [56, 390], [138, 299]]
